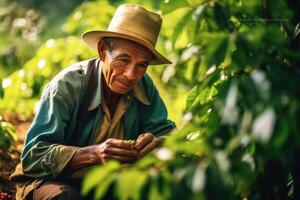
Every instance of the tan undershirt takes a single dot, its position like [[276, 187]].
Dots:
[[112, 126]]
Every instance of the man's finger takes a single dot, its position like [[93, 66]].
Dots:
[[143, 140], [119, 158], [155, 143], [121, 152], [119, 143]]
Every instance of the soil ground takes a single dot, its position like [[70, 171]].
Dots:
[[11, 157]]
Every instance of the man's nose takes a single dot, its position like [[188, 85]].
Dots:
[[130, 73]]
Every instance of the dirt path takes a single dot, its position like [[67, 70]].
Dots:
[[11, 157]]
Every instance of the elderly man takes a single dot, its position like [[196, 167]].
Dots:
[[89, 110]]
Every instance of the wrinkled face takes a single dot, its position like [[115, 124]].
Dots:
[[124, 65]]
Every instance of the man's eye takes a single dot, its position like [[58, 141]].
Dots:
[[123, 60], [142, 65]]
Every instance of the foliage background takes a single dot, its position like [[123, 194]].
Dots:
[[232, 90]]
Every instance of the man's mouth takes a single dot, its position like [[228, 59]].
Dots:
[[125, 85]]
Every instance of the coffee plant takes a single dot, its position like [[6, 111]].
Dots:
[[233, 87], [239, 138]]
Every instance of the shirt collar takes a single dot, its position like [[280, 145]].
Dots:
[[136, 92], [139, 93], [96, 99]]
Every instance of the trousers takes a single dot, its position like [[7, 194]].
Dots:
[[61, 190]]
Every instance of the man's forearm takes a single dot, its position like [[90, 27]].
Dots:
[[84, 157]]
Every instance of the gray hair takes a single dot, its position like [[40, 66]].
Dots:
[[110, 42]]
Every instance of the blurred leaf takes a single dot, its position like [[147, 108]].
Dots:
[[282, 134], [102, 187], [197, 96], [192, 96], [154, 193], [221, 16], [197, 18], [98, 175], [8, 135], [172, 5], [198, 181], [263, 125], [180, 25], [130, 183], [180, 135], [146, 161], [297, 30], [216, 51]]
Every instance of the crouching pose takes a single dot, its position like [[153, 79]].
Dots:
[[89, 110]]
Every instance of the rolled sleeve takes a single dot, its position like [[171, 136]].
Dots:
[[48, 160]]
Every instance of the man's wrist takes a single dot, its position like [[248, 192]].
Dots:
[[84, 157], [94, 157], [89, 155]]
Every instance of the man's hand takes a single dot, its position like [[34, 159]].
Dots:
[[115, 149], [145, 143], [111, 149]]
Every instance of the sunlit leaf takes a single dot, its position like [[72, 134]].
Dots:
[[130, 184], [197, 18], [102, 187], [97, 175], [171, 5], [192, 96], [180, 25]]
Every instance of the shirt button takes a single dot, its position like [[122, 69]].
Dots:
[[128, 97]]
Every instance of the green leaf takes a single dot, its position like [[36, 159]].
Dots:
[[204, 96], [221, 16], [180, 25], [216, 51], [103, 187], [8, 135], [1, 89], [281, 136], [98, 175], [161, 186], [172, 141], [154, 193], [192, 96], [130, 183], [197, 15], [172, 5], [297, 30], [197, 96], [146, 161]]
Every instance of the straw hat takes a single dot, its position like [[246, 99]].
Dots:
[[135, 23]]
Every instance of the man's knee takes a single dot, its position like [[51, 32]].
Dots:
[[56, 190]]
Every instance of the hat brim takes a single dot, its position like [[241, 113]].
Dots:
[[91, 38]]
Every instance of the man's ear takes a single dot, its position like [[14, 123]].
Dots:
[[101, 49]]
